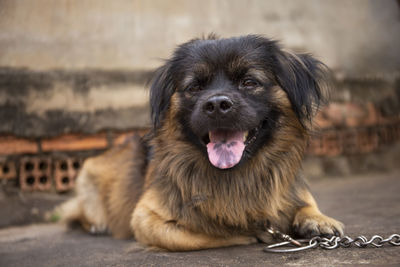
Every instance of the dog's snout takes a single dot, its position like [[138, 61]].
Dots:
[[219, 104]]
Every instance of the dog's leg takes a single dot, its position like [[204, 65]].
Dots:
[[86, 207], [152, 226], [309, 221], [92, 206]]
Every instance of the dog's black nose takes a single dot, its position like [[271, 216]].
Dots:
[[219, 104]]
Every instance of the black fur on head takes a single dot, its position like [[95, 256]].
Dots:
[[161, 91], [299, 75], [303, 78]]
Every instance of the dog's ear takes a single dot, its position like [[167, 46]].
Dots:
[[305, 80], [161, 91]]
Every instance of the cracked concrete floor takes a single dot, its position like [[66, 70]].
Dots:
[[367, 205]]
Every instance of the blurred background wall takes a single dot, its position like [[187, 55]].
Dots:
[[356, 37], [73, 75]]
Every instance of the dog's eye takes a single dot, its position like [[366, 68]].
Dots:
[[194, 88], [248, 84]]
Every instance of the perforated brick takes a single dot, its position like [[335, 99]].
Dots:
[[367, 141], [65, 172], [35, 174], [350, 142], [8, 170], [332, 143], [315, 146]]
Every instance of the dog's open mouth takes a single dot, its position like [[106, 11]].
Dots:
[[225, 147]]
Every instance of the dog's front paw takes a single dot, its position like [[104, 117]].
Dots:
[[309, 225], [98, 229]]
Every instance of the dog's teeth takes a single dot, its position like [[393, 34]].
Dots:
[[245, 135]]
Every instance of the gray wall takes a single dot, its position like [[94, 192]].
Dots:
[[85, 61], [355, 36]]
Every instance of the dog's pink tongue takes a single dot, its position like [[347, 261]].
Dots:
[[225, 148]]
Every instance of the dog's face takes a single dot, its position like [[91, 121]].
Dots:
[[231, 94]]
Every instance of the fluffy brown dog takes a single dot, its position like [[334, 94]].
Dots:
[[231, 120]]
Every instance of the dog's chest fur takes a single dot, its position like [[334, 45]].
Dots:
[[219, 202], [225, 202]]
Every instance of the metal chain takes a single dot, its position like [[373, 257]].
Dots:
[[335, 242]]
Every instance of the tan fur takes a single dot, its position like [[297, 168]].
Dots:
[[106, 196], [107, 190], [309, 218], [164, 190], [229, 204], [154, 226]]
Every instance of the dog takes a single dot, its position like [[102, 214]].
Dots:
[[231, 119]]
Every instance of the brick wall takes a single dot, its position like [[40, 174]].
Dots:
[[51, 164], [350, 128], [62, 84]]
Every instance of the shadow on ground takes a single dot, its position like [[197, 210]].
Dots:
[[367, 205]]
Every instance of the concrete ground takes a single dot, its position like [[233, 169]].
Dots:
[[367, 205]]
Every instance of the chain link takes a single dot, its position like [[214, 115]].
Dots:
[[360, 241], [336, 242]]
